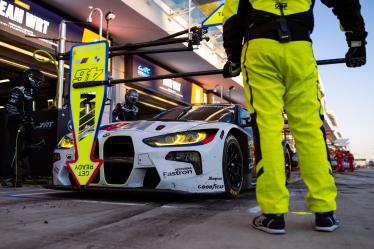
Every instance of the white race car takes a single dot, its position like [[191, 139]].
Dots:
[[196, 149]]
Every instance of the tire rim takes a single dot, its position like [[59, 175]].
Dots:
[[234, 166]]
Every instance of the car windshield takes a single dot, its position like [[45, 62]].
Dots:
[[204, 113]]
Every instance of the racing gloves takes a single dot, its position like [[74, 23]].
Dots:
[[231, 69], [356, 55]]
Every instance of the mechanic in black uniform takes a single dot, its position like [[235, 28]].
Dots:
[[128, 110], [21, 124]]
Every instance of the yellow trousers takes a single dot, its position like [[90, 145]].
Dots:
[[281, 76]]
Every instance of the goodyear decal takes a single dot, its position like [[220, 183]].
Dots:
[[215, 18], [89, 62]]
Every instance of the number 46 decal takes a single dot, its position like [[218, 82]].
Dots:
[[89, 74]]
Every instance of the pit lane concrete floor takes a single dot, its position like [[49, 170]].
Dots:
[[34, 217]]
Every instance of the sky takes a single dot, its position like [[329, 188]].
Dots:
[[349, 91]]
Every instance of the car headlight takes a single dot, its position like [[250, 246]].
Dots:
[[65, 143], [187, 138]]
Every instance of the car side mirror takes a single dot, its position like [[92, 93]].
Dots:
[[244, 122]]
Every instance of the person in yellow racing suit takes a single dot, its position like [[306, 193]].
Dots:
[[269, 42]]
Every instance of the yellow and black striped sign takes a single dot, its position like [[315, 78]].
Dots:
[[89, 62]]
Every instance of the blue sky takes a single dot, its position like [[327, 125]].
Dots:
[[349, 91]]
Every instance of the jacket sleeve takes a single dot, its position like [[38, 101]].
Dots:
[[233, 28], [13, 104], [349, 15]]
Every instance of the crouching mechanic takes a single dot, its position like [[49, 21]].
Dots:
[[127, 110], [280, 72], [22, 141]]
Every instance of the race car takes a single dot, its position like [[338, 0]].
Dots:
[[194, 149]]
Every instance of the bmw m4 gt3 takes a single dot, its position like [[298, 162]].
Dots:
[[196, 149]]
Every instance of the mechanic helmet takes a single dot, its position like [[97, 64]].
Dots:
[[33, 78], [132, 96]]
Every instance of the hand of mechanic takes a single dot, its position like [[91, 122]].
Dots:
[[356, 55], [231, 69]]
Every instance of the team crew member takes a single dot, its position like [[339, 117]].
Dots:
[[280, 72], [20, 124], [339, 160], [350, 159], [127, 110]]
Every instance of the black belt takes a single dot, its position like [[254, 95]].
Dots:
[[271, 30]]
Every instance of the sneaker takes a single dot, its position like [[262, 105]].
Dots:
[[270, 223], [326, 222]]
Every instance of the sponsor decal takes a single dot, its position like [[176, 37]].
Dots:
[[211, 187], [144, 71], [44, 125], [22, 18], [172, 86], [281, 5], [211, 178], [82, 61], [111, 127], [215, 18], [178, 172]]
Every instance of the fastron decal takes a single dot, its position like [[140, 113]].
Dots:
[[178, 172]]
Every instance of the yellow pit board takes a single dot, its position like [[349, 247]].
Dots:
[[88, 62]]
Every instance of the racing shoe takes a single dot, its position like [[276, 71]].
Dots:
[[326, 222], [270, 223]]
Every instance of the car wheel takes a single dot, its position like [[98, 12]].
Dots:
[[288, 164], [232, 166]]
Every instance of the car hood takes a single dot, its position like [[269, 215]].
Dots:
[[152, 126]]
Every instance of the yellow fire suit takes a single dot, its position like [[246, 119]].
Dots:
[[271, 40]]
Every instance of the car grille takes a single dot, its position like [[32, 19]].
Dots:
[[118, 159]]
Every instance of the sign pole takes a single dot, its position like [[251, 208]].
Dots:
[[61, 62]]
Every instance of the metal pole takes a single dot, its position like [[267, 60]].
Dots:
[[112, 90], [176, 75], [221, 87], [189, 20], [331, 61], [101, 23], [61, 62]]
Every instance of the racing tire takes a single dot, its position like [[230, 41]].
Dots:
[[232, 167], [287, 164]]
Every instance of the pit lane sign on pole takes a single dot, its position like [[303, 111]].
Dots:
[[88, 62], [214, 19]]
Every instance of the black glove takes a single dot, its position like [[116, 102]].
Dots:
[[356, 55], [231, 69]]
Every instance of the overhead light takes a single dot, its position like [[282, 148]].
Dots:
[[5, 81], [2, 107], [21, 66], [153, 106], [24, 51], [110, 16]]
